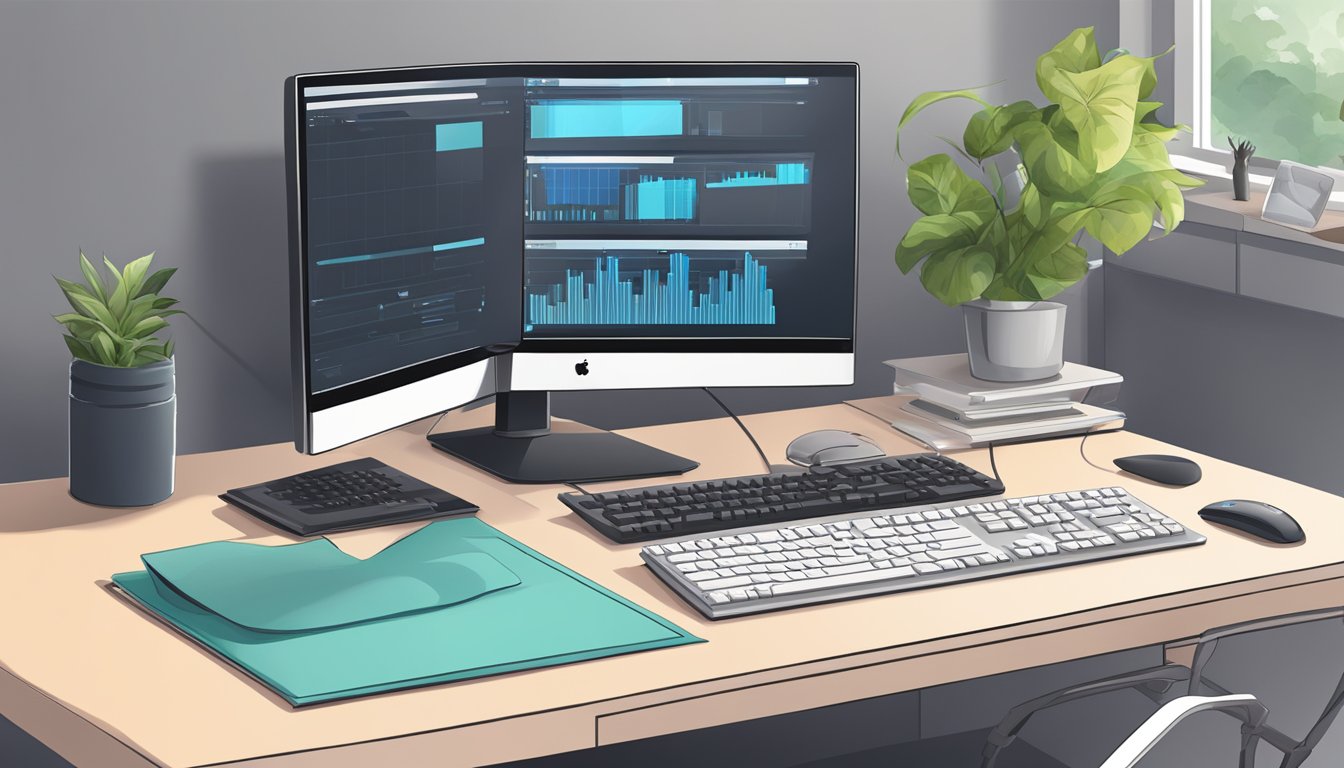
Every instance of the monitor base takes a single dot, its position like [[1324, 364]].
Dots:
[[560, 457], [522, 448]]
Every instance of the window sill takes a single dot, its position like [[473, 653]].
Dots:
[[1213, 205]]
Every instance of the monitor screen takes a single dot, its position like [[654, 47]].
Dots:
[[689, 207], [440, 216], [412, 227]]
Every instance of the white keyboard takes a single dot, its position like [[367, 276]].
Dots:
[[781, 566]]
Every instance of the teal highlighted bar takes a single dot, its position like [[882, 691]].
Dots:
[[590, 118], [460, 244], [451, 136], [403, 252], [372, 256]]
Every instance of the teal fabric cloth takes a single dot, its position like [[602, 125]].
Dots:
[[455, 600]]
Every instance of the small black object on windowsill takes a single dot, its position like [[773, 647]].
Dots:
[[1241, 154]]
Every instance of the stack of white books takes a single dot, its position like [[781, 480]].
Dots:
[[939, 403]]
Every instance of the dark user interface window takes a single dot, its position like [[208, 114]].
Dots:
[[689, 207], [408, 245]]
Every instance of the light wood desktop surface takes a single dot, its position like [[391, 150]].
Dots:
[[104, 685]]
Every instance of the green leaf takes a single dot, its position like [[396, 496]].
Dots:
[[939, 232], [990, 131], [73, 290], [1051, 272], [168, 348], [156, 282], [1100, 103], [147, 356], [91, 307], [929, 98], [112, 268], [105, 351], [163, 302], [147, 327], [91, 276], [79, 349], [1077, 52], [1050, 164], [959, 275], [118, 301], [133, 276], [1122, 222], [937, 184], [994, 238], [1031, 206], [1143, 109], [81, 326], [1149, 64], [1156, 188], [138, 309]]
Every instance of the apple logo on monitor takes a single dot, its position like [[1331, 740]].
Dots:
[[581, 368]]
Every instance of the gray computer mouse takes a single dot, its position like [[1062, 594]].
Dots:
[[1257, 518], [831, 446]]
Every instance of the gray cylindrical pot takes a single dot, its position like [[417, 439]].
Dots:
[[1014, 340], [123, 433]]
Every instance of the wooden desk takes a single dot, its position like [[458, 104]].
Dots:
[[105, 686]]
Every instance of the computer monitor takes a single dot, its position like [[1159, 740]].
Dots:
[[464, 231]]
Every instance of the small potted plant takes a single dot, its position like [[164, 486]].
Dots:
[[123, 407], [1092, 159]]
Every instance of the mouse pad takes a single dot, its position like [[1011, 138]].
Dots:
[[351, 643]]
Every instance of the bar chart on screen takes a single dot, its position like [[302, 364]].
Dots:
[[672, 288]]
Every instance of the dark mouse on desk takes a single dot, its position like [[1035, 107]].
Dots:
[[1257, 518], [1161, 468]]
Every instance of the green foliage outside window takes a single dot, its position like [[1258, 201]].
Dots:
[[1276, 78]]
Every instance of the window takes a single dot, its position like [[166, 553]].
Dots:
[[1276, 78], [1270, 72]]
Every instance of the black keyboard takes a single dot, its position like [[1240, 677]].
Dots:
[[355, 494], [679, 509]]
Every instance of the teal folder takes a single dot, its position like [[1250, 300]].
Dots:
[[455, 600]]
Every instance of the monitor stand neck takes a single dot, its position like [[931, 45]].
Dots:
[[522, 448]]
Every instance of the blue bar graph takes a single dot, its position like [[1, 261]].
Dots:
[[658, 198], [582, 184], [730, 298], [785, 173]]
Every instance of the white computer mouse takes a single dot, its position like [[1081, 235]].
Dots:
[[831, 446]]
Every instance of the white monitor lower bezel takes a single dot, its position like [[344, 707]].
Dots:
[[345, 423], [556, 371]]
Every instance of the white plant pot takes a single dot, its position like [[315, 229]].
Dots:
[[1014, 340]]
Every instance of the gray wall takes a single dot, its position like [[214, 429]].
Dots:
[[137, 126]]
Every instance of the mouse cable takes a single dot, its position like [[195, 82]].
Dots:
[[765, 461]]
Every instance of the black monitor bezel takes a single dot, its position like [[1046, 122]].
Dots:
[[296, 147]]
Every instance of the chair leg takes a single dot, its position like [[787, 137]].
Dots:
[[1250, 741]]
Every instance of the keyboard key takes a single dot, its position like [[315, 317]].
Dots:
[[850, 579], [733, 581]]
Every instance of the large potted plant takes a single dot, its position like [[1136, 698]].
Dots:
[[1092, 159], [123, 407]]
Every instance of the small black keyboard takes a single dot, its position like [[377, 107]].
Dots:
[[678, 509], [355, 494]]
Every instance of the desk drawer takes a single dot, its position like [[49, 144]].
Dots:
[[1194, 253], [1302, 278]]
